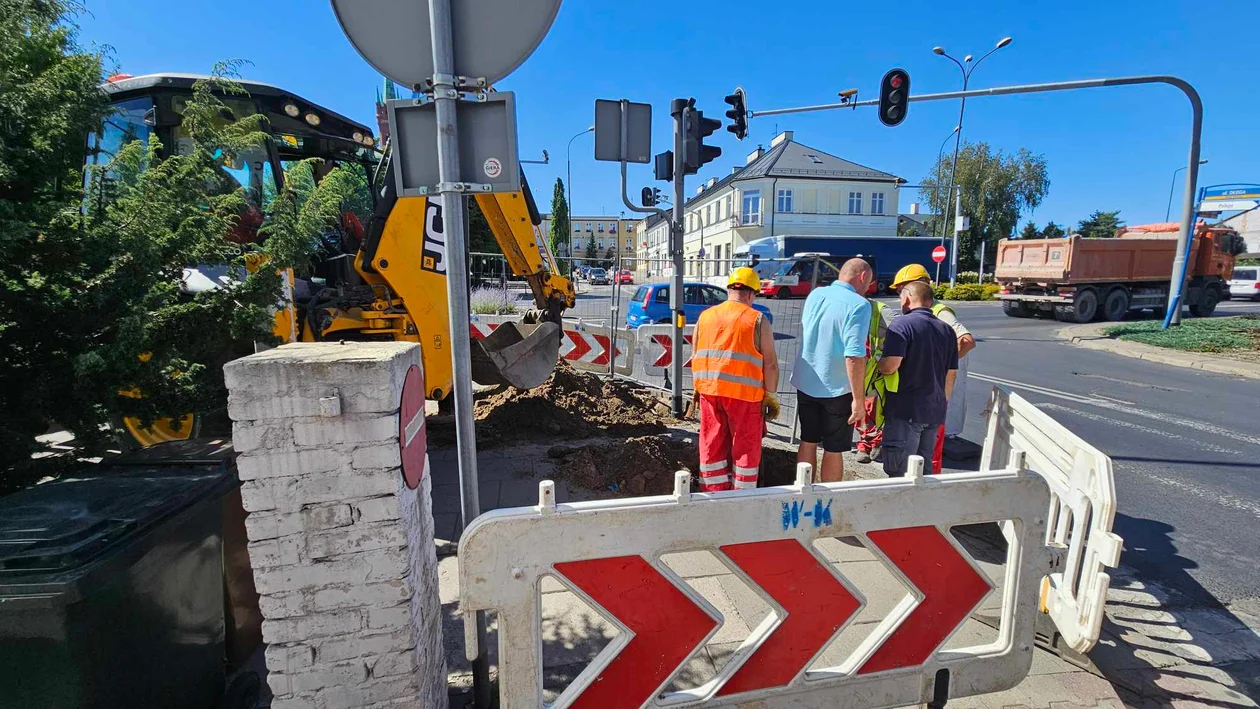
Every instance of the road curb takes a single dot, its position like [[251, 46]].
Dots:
[[1090, 336]]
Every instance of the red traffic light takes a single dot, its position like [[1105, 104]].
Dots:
[[894, 97], [895, 81]]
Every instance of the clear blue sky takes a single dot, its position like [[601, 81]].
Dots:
[[1106, 148]]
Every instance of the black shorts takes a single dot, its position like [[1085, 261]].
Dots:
[[826, 421]]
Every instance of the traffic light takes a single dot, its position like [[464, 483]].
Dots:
[[738, 113], [697, 153], [665, 166], [894, 97], [651, 196]]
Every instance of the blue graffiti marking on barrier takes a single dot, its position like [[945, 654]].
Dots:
[[795, 510]]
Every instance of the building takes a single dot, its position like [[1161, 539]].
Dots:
[[1247, 224], [612, 236], [790, 189]]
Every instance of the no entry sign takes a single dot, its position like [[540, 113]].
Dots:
[[411, 434], [938, 254]]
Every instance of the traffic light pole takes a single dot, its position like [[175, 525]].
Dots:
[[678, 109], [1192, 168]]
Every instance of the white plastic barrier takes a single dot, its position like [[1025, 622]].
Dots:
[[655, 345], [1082, 510], [583, 346]]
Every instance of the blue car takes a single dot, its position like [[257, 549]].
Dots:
[[650, 304]]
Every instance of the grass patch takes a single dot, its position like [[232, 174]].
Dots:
[[1240, 334]]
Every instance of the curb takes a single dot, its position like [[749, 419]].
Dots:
[[1090, 336]]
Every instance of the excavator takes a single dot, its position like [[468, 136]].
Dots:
[[384, 281]]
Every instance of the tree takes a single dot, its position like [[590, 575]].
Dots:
[[589, 251], [611, 254], [560, 226], [1052, 231], [996, 188], [480, 239], [1030, 231], [1100, 225]]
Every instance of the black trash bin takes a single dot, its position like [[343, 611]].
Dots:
[[111, 590]]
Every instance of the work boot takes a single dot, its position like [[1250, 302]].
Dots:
[[863, 456]]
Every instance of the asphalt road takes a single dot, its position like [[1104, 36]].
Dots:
[[1185, 444]]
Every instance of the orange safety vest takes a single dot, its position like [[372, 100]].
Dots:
[[725, 360]]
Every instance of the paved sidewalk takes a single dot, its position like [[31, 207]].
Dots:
[[1148, 656]]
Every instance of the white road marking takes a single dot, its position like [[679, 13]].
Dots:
[[1111, 420], [1222, 498], [1126, 407]]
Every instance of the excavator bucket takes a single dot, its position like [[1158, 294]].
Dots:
[[508, 356]]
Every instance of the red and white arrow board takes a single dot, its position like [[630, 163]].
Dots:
[[668, 627], [656, 342], [580, 348]]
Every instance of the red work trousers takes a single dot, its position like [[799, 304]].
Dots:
[[870, 434], [730, 443], [938, 453]]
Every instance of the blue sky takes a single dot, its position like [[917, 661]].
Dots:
[[1106, 148]]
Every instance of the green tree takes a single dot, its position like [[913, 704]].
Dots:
[[480, 238], [589, 252], [996, 188], [1030, 231], [1100, 225], [1052, 231], [560, 226]]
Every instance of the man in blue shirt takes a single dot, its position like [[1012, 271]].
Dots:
[[923, 352], [830, 368]]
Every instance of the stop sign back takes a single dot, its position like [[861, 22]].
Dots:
[[938, 254]]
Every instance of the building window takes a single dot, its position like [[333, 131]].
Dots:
[[877, 203], [629, 243], [708, 214], [577, 228], [588, 226], [600, 243], [855, 203], [751, 207], [785, 201], [600, 226], [612, 228], [729, 209]]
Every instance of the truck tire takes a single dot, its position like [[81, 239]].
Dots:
[[1016, 309], [1207, 303], [783, 294], [1085, 307], [1116, 306]]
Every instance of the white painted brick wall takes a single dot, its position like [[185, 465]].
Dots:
[[343, 553]]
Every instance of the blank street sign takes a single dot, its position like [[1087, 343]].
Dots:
[[608, 131], [487, 144]]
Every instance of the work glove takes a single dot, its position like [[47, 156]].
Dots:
[[770, 407]]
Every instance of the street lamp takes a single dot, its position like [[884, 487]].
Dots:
[[937, 191], [1171, 189], [966, 67], [568, 187]]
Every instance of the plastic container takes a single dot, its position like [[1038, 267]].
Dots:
[[111, 590]]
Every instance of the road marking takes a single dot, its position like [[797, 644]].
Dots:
[[1126, 407], [1111, 420], [1130, 383], [1223, 498]]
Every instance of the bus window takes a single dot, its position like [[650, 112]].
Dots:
[[128, 122]]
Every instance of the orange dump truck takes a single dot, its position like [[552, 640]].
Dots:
[[1079, 279]]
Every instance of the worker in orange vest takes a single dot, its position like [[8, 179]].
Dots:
[[735, 372]]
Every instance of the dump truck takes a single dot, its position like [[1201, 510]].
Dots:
[[1079, 279], [383, 280]]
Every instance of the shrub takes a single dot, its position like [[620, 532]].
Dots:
[[966, 291], [965, 277], [491, 301], [990, 290], [939, 291]]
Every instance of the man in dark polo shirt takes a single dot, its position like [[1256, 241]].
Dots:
[[923, 352]]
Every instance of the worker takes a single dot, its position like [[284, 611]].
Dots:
[[870, 431], [830, 370], [922, 351], [956, 416], [735, 372]]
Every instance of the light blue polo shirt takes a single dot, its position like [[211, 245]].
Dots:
[[834, 325]]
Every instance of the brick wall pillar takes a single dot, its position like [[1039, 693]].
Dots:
[[342, 551]]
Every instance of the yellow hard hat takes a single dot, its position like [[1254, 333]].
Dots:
[[909, 274], [746, 277]]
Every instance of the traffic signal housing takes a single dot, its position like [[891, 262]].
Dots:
[[651, 196], [738, 113], [894, 97], [696, 152], [664, 167]]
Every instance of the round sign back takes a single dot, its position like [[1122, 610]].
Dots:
[[411, 433], [491, 37]]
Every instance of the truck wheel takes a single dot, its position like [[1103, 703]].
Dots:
[[1116, 305], [1086, 305], [783, 294], [1207, 303], [1016, 309]]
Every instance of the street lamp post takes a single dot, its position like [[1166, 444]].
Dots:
[[1173, 187], [966, 67], [568, 187], [937, 191]]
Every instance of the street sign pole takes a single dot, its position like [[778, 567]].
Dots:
[[953, 252], [454, 227]]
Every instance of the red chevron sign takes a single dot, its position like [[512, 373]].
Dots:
[[480, 331], [580, 345], [667, 356], [667, 627]]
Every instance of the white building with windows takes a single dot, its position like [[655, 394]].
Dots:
[[612, 237], [789, 189]]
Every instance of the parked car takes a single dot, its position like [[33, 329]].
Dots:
[[599, 277], [625, 277], [650, 304], [1245, 283]]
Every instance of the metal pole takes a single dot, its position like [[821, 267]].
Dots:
[[953, 252], [1186, 233], [679, 110], [454, 227], [980, 279], [953, 182], [1172, 188]]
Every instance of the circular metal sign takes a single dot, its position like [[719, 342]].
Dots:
[[411, 434], [491, 37], [938, 254]]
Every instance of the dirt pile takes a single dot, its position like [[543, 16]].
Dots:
[[645, 465], [569, 405]]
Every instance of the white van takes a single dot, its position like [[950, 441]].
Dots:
[[1246, 283]]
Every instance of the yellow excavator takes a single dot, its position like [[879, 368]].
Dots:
[[383, 281]]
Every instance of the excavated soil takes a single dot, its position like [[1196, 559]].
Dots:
[[569, 405], [645, 465]]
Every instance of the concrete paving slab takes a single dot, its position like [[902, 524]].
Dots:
[[733, 629], [838, 549], [695, 564]]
